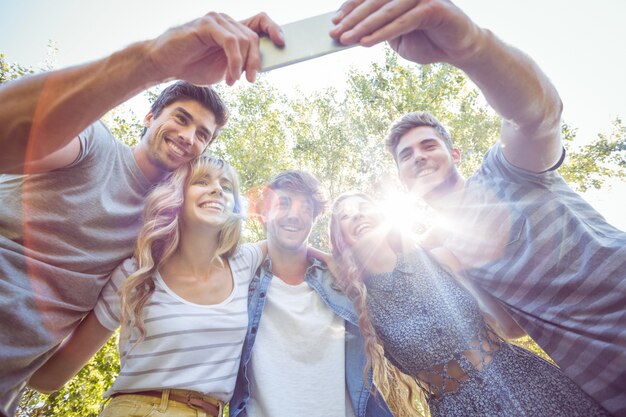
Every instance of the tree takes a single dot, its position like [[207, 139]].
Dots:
[[12, 71], [590, 166], [83, 395], [255, 142], [338, 136]]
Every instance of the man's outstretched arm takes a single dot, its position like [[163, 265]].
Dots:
[[430, 31], [41, 115]]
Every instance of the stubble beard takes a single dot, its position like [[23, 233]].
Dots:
[[431, 193]]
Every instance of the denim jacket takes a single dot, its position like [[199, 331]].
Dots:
[[319, 278]]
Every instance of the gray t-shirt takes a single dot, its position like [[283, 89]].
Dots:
[[556, 264], [61, 234]]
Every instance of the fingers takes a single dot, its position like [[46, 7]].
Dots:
[[345, 9], [239, 43], [221, 31], [350, 14], [252, 63], [388, 31], [362, 21], [260, 24]]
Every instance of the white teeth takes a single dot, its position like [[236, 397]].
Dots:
[[362, 227], [177, 150], [211, 205], [425, 172], [290, 228]]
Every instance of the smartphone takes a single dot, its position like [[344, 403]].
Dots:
[[304, 39]]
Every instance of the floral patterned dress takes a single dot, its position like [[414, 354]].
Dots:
[[431, 327]]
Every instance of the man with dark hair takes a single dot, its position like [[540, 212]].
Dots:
[[72, 195], [518, 231], [302, 332], [180, 91]]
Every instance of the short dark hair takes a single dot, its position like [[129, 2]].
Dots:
[[205, 95], [410, 121], [302, 182]]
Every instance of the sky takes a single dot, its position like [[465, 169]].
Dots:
[[580, 45]]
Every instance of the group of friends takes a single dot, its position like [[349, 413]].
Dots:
[[96, 235]]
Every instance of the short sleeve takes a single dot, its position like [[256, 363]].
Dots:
[[95, 136], [108, 307], [248, 259], [495, 163]]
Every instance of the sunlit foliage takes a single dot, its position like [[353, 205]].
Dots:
[[337, 135]]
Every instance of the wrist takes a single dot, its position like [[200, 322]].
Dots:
[[141, 68], [479, 44]]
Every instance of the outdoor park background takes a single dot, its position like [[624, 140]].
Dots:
[[330, 115], [578, 44]]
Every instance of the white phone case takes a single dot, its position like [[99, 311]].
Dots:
[[304, 39]]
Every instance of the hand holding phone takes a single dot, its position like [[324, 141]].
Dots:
[[304, 39]]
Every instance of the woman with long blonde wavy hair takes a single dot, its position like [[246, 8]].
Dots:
[[426, 334], [181, 302]]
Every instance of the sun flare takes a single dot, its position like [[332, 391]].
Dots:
[[408, 213], [404, 212]]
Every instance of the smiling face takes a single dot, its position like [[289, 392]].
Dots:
[[209, 198], [354, 217], [180, 133], [425, 164], [289, 219]]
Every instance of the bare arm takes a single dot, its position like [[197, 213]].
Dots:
[[40, 115], [496, 315], [523, 95], [71, 356], [437, 31], [43, 114], [493, 312]]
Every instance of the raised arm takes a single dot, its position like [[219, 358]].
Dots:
[[71, 356], [41, 115], [430, 31], [493, 312]]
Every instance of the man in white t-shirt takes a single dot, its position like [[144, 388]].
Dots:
[[308, 354]]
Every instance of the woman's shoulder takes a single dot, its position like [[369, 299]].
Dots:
[[246, 250], [248, 255]]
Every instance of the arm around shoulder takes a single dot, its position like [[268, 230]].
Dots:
[[71, 356]]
